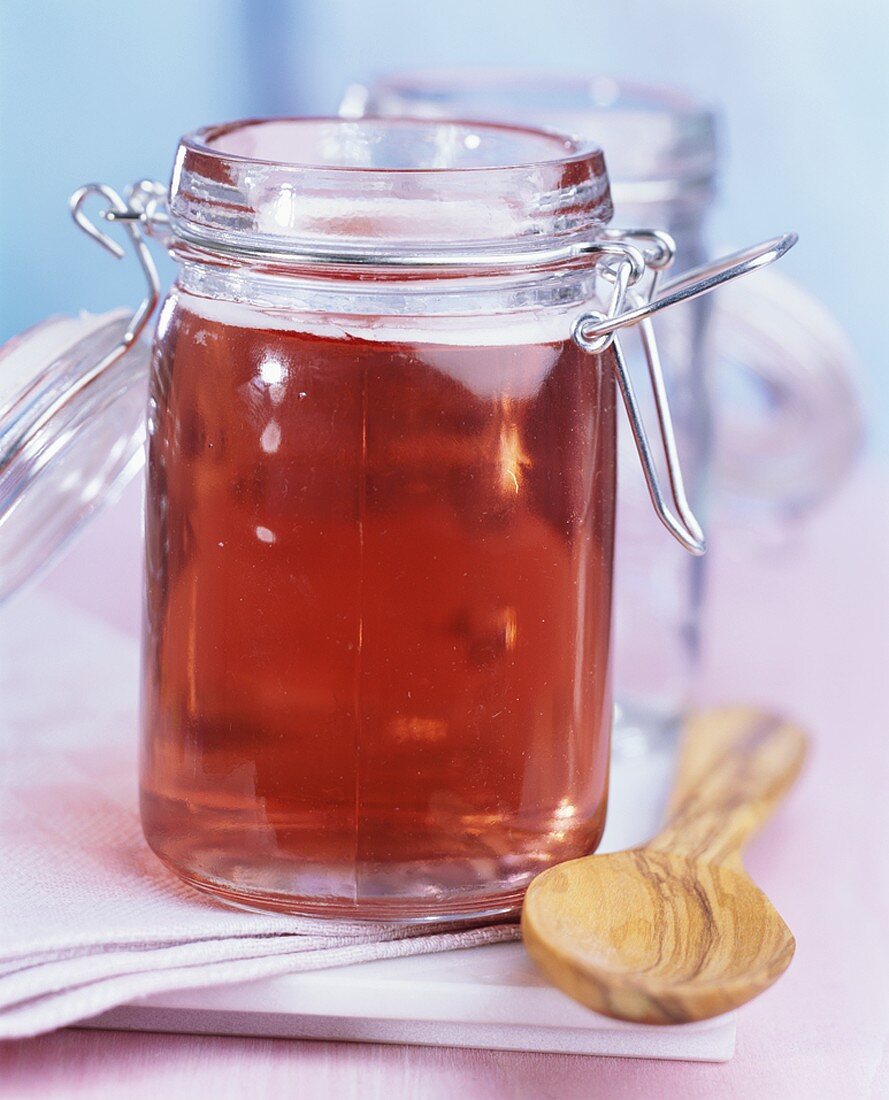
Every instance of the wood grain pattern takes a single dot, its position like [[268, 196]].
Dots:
[[675, 930]]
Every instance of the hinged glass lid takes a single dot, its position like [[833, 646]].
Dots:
[[57, 469], [72, 416]]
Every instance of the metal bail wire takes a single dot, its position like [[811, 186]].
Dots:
[[130, 215], [594, 332], [116, 210]]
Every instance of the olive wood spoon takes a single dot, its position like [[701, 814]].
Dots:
[[675, 930]]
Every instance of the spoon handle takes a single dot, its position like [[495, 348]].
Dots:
[[734, 767]]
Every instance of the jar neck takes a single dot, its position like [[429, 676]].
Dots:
[[360, 190], [565, 289]]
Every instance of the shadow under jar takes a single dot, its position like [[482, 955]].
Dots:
[[380, 519]]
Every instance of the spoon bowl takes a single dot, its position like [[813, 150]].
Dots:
[[634, 935], [676, 930]]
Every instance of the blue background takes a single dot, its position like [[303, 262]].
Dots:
[[100, 90]]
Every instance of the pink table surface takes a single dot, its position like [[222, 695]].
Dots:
[[804, 629]]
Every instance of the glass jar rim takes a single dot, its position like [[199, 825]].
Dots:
[[207, 140], [353, 188]]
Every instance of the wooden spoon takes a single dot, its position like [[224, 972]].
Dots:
[[675, 930]]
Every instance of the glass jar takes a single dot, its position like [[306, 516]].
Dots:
[[381, 501], [662, 162], [379, 524]]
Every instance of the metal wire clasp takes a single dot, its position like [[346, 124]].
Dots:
[[130, 214], [595, 332], [116, 210]]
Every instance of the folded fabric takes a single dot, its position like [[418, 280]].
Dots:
[[89, 918]]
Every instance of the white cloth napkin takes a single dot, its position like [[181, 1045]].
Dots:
[[89, 918]]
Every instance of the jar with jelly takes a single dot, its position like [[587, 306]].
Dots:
[[383, 396]]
